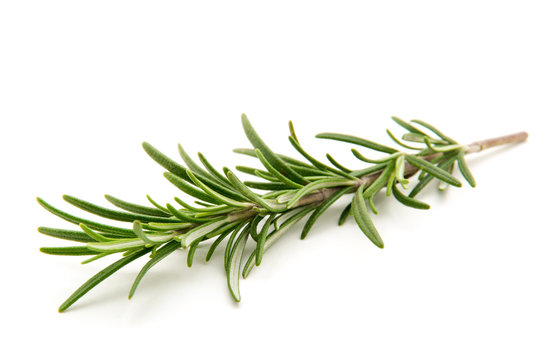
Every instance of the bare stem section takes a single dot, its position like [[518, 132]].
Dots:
[[497, 141]]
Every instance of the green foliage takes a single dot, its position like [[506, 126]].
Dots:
[[227, 207]]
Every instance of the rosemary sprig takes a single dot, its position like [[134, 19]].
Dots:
[[228, 209]]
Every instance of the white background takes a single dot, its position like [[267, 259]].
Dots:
[[82, 84]]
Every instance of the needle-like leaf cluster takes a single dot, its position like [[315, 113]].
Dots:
[[248, 217]]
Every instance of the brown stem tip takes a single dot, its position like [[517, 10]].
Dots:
[[501, 140]]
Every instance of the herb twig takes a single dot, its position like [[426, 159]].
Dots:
[[228, 209]]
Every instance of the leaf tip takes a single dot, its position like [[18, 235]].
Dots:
[[320, 135], [137, 226], [245, 122], [63, 307]]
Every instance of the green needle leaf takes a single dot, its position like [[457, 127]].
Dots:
[[166, 162], [101, 276], [200, 232], [361, 215], [464, 169], [166, 227], [219, 197], [269, 177], [337, 164], [91, 224], [250, 195], [135, 208], [213, 171], [397, 141], [66, 234], [444, 164], [344, 214], [189, 189], [408, 126], [317, 163], [184, 216], [252, 171], [433, 170], [408, 201], [253, 226], [193, 166], [442, 186], [274, 236], [117, 245], [222, 229], [206, 210], [422, 183], [215, 245], [229, 246], [94, 235], [369, 170], [372, 205], [422, 139], [386, 159], [233, 274], [160, 254], [357, 141], [292, 131], [268, 154], [151, 239], [400, 171], [390, 183], [321, 209], [400, 168], [434, 130], [293, 163], [191, 252], [262, 237], [380, 182], [154, 203], [317, 185], [269, 185], [68, 250], [279, 175], [217, 186], [113, 214], [94, 258]]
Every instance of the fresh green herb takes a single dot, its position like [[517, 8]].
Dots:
[[226, 207]]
